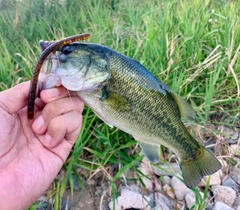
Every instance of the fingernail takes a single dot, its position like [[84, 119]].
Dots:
[[47, 140], [38, 124], [52, 93]]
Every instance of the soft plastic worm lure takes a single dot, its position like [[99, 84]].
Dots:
[[52, 47]]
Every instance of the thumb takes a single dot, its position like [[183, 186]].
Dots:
[[15, 98]]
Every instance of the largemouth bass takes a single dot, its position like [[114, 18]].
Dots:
[[121, 92]]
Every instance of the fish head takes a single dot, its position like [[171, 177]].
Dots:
[[76, 67]]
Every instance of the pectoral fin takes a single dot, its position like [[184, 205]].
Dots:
[[105, 92], [152, 151], [185, 108]]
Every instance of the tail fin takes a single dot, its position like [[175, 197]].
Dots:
[[205, 164]]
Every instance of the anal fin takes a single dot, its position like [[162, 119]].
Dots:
[[152, 151]]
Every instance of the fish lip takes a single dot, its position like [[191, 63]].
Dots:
[[47, 76], [47, 81], [82, 85]]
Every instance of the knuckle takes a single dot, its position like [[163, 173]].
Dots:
[[54, 124], [50, 111], [76, 119], [79, 104]]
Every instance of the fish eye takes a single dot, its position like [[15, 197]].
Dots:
[[66, 49]]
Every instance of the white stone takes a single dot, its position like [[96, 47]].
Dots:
[[146, 165], [134, 188], [169, 191], [180, 189], [161, 199], [215, 179], [146, 180], [130, 199], [160, 206], [231, 183], [166, 180], [190, 199], [224, 194], [221, 206]]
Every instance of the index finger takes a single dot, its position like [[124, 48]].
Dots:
[[53, 94], [15, 98]]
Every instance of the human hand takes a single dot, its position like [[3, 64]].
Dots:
[[33, 151]]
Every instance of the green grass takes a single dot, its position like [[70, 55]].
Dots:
[[191, 47]]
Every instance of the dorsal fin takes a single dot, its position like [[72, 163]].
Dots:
[[185, 108]]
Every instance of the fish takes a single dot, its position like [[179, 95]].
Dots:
[[124, 94]]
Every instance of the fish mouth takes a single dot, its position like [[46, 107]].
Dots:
[[47, 76], [47, 81]]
